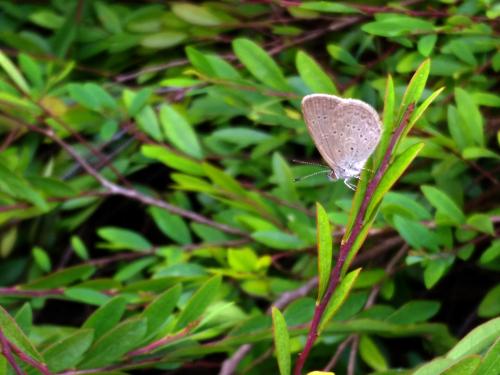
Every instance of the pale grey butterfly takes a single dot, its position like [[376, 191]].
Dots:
[[345, 132]]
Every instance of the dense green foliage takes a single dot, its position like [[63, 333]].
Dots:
[[149, 216]]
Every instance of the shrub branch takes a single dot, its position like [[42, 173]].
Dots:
[[345, 248]]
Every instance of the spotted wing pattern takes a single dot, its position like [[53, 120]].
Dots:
[[345, 131]]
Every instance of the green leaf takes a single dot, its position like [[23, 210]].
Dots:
[[283, 176], [223, 180], [198, 302], [426, 44], [79, 247], [395, 170], [414, 312], [133, 268], [61, 278], [66, 353], [108, 17], [387, 120], [416, 234], [328, 7], [491, 253], [195, 14], [472, 153], [482, 223], [278, 240], [259, 64], [243, 260], [436, 366], [421, 109], [324, 250], [436, 269], [180, 132], [41, 259], [371, 354], [341, 54], [119, 239], [164, 39], [459, 131], [24, 318], [313, 75], [158, 311], [415, 87], [85, 295], [281, 342], [444, 204], [173, 160], [15, 335], [211, 65], [465, 366], [15, 185], [240, 136], [491, 360], [476, 340], [462, 51], [114, 344], [136, 101], [106, 316], [13, 73], [470, 115], [490, 304], [148, 122], [31, 69], [171, 225], [338, 297], [397, 25]]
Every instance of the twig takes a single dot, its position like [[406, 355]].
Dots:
[[5, 346], [42, 367], [131, 193], [163, 341], [340, 349], [347, 245], [351, 366], [230, 364], [15, 291]]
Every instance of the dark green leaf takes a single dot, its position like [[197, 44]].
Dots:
[[179, 132], [66, 353], [114, 344], [260, 64], [159, 310], [313, 75], [198, 302], [119, 239], [106, 316]]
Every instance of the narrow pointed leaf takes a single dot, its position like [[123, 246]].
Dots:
[[416, 86], [199, 302], [281, 342], [338, 298], [324, 250], [259, 63]]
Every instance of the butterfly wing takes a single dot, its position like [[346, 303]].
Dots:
[[345, 131], [318, 110], [360, 130]]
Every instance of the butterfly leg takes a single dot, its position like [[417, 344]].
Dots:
[[349, 185]]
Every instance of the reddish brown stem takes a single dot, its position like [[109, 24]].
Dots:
[[5, 350], [346, 247]]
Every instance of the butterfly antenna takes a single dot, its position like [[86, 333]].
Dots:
[[309, 163], [310, 175]]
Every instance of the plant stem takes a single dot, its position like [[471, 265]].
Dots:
[[5, 350], [346, 247]]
